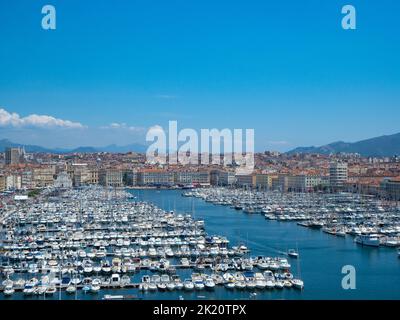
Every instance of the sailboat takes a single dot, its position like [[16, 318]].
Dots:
[[293, 253], [297, 282]]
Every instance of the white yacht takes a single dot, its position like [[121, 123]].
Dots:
[[115, 280], [293, 253], [209, 283], [297, 283], [8, 290], [188, 285], [371, 240]]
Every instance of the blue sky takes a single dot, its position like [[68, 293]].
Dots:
[[285, 68]]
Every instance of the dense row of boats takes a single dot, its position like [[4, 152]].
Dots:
[[236, 280], [370, 221], [92, 239]]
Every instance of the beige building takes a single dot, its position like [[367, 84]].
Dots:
[[43, 177], [155, 177], [391, 189], [27, 179], [130, 177], [226, 178], [13, 156], [93, 176], [2, 183], [245, 180], [79, 174], [110, 178], [13, 182], [304, 183], [263, 181], [189, 177], [338, 174], [63, 180]]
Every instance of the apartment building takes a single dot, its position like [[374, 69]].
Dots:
[[43, 177], [93, 176], [338, 174], [111, 178], [130, 177], [245, 180], [13, 156], [13, 182], [263, 181], [2, 183], [304, 183], [192, 177], [226, 178], [155, 177], [390, 189], [63, 180], [27, 179]]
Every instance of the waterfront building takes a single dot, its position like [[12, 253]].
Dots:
[[281, 183], [338, 174], [111, 178], [27, 179], [263, 181], [245, 180], [226, 178], [130, 177], [93, 176], [214, 177], [156, 177], [13, 182], [2, 183], [63, 180], [192, 177], [304, 183], [391, 189], [43, 177], [79, 173]]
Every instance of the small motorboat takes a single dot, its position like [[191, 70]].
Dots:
[[297, 283], [293, 253]]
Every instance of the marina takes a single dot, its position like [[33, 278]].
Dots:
[[321, 255], [93, 240], [371, 222], [164, 245]]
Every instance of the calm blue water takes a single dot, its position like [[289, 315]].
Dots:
[[322, 256]]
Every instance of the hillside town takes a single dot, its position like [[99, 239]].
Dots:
[[23, 172]]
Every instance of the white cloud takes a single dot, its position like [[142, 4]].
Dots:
[[124, 126], [34, 120], [156, 128]]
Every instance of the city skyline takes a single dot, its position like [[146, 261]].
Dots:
[[289, 71]]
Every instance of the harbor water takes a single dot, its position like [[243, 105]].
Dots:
[[321, 257]]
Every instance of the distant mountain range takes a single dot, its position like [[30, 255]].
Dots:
[[383, 146], [135, 147]]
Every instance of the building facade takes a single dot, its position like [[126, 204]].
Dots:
[[192, 177], [111, 178], [13, 156], [390, 189], [153, 177], [63, 180], [338, 174]]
